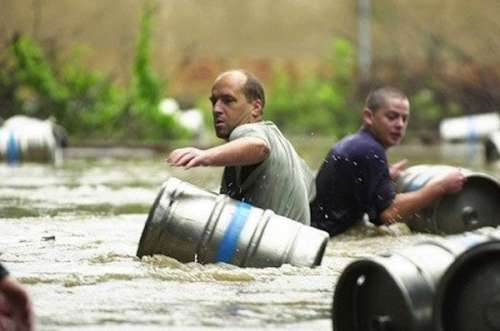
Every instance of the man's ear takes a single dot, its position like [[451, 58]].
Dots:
[[367, 117], [257, 109]]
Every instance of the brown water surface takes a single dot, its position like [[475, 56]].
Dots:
[[70, 234]]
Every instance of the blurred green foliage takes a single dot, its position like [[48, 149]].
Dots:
[[324, 101], [86, 102], [319, 103], [146, 89]]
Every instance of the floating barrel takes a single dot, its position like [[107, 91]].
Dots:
[[24, 139], [472, 127], [468, 295], [395, 291], [492, 147], [191, 224], [475, 206]]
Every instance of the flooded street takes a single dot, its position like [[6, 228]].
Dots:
[[70, 234]]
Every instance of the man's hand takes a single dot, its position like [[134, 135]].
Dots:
[[451, 182], [187, 157], [18, 303], [396, 168]]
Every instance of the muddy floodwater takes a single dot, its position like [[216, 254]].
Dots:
[[70, 234]]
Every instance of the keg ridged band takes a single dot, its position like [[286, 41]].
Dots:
[[227, 246]]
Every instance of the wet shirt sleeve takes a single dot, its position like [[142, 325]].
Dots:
[[249, 130], [3, 272], [381, 190]]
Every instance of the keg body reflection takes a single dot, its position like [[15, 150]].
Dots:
[[475, 206], [396, 291], [191, 224]]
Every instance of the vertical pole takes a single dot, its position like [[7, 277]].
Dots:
[[364, 39], [37, 13]]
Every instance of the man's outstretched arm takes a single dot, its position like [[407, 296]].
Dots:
[[242, 151]]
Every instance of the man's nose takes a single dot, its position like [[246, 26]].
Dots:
[[400, 122], [217, 108]]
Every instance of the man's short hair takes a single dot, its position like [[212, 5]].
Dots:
[[253, 89], [377, 98]]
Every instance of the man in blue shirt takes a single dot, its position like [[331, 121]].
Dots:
[[355, 178]]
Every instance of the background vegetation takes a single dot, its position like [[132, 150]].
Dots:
[[101, 69]]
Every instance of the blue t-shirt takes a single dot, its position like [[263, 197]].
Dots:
[[352, 181]]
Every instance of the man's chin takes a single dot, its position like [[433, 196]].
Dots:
[[222, 135]]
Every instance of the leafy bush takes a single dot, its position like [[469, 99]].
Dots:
[[319, 103], [83, 100]]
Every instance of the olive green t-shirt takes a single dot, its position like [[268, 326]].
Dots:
[[282, 182]]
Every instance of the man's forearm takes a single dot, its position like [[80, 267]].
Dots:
[[407, 204], [239, 152], [242, 151]]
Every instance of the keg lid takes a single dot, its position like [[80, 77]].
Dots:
[[368, 297], [468, 295], [475, 206]]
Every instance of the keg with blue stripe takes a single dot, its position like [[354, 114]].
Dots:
[[192, 224], [25, 139], [475, 206]]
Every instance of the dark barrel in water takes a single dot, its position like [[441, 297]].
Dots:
[[192, 224], [475, 206], [396, 291], [468, 295], [492, 147]]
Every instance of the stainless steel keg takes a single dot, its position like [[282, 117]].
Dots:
[[468, 295], [470, 127], [475, 206], [192, 224], [396, 291], [24, 139]]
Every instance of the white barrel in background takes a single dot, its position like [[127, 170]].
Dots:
[[396, 291], [192, 224], [476, 205], [472, 127], [24, 139], [492, 147]]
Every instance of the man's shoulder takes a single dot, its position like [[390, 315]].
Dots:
[[358, 145], [266, 130]]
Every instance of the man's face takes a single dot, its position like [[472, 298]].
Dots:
[[389, 122], [230, 107]]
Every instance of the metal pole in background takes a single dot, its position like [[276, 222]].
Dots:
[[364, 39], [37, 18]]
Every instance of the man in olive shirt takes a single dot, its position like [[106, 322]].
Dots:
[[261, 166]]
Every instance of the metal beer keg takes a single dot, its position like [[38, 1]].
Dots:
[[24, 139], [475, 206], [191, 224], [395, 291], [468, 295], [471, 127]]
